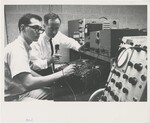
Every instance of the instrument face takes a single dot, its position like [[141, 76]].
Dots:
[[127, 80]]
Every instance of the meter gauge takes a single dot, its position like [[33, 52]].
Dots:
[[122, 57]]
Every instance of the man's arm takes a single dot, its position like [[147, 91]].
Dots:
[[35, 74], [67, 41], [29, 82]]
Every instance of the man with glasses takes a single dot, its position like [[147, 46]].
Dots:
[[44, 53], [21, 83]]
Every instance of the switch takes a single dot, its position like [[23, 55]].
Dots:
[[138, 66], [125, 90], [133, 80]]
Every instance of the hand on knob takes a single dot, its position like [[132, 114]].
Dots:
[[69, 70]]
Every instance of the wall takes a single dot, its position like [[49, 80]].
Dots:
[[129, 16]]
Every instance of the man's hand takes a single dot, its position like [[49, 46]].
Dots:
[[54, 59], [69, 70]]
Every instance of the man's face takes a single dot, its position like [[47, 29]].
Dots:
[[33, 30], [52, 27]]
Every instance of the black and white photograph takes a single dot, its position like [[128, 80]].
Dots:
[[75, 54]]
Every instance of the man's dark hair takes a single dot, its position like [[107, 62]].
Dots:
[[25, 19], [50, 16]]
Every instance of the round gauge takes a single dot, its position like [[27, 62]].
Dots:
[[122, 57]]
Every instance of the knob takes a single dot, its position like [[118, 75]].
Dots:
[[106, 88], [135, 99], [131, 43], [133, 80], [138, 48], [112, 80], [140, 86], [112, 93], [117, 74], [80, 28], [143, 77], [125, 76], [145, 47], [125, 90], [130, 63], [119, 85], [104, 98], [80, 31], [113, 71], [116, 98], [80, 21], [138, 66], [109, 89]]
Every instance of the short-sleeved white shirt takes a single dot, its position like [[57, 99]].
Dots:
[[16, 58], [41, 50]]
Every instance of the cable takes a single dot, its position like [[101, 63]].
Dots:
[[75, 99], [99, 91]]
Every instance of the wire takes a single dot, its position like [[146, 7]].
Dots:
[[75, 99], [99, 91]]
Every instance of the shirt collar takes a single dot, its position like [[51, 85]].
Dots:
[[24, 42], [46, 37]]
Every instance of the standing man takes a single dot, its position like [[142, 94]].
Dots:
[[20, 82], [43, 53]]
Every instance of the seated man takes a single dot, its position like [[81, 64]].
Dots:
[[43, 53], [20, 81]]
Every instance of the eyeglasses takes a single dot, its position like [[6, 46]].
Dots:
[[37, 28]]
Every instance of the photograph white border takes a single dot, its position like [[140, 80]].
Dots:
[[70, 112]]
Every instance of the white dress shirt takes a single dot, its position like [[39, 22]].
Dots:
[[41, 50], [16, 59], [17, 56]]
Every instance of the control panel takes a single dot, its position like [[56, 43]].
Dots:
[[127, 80], [104, 44], [88, 77], [80, 29]]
